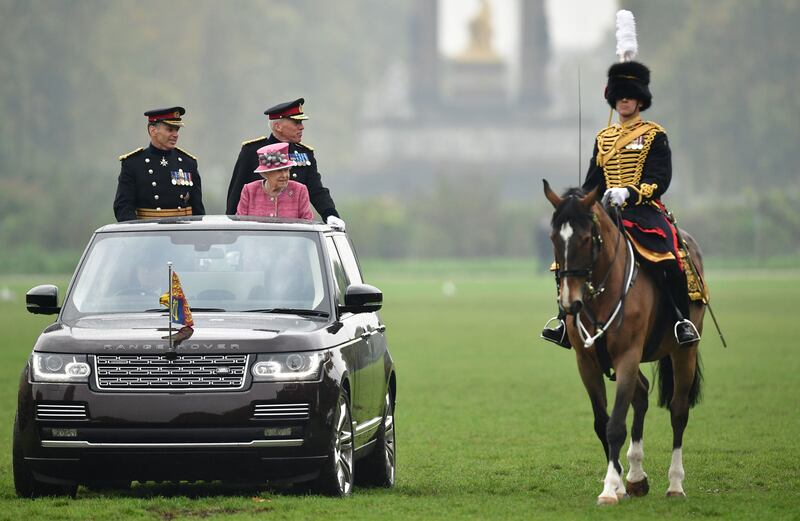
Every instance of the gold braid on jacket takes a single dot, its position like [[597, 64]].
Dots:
[[622, 160]]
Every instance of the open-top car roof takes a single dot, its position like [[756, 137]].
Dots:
[[216, 222]]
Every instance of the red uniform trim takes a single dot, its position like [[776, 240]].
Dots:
[[657, 231], [172, 114], [291, 111]]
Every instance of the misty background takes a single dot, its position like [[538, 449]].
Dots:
[[432, 144]]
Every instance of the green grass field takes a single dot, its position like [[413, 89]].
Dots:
[[493, 423]]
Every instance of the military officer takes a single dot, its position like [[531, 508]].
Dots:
[[286, 123], [161, 180], [632, 166]]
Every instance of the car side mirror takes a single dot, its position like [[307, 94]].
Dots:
[[362, 298], [42, 300]]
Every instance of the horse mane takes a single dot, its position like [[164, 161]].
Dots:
[[571, 211]]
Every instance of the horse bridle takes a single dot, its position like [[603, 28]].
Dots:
[[589, 292]]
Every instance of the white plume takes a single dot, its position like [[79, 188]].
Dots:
[[626, 36]]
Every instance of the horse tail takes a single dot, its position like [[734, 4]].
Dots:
[[666, 382], [696, 391]]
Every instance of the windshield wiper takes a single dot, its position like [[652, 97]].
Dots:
[[291, 311]]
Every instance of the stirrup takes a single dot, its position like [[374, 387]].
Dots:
[[557, 334], [695, 335]]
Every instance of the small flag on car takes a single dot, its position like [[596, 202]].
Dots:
[[179, 313], [179, 307]]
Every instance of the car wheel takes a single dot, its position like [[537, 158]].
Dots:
[[336, 477], [378, 468], [25, 484]]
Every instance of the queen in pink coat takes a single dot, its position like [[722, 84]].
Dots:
[[275, 195]]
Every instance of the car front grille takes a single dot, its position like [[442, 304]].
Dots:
[[156, 373], [282, 411], [61, 411]]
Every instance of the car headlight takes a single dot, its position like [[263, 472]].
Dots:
[[287, 367], [57, 367]]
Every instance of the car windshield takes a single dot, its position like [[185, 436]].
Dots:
[[218, 270]]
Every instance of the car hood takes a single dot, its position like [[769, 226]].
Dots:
[[212, 333]]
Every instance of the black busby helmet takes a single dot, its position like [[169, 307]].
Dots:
[[628, 80]]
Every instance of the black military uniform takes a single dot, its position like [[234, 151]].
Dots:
[[158, 183], [305, 171]]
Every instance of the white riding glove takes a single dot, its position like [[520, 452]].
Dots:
[[335, 223], [615, 196]]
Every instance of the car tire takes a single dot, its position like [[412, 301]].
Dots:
[[378, 468], [336, 476], [25, 484]]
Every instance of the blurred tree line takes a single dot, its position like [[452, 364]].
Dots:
[[76, 76]]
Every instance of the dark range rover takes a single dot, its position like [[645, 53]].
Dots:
[[286, 376]]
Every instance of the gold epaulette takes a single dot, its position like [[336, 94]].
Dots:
[[185, 152], [657, 126], [604, 130], [306, 146], [129, 154], [259, 138]]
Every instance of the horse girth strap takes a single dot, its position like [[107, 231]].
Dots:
[[622, 141]]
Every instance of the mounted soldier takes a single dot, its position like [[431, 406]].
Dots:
[[632, 167]]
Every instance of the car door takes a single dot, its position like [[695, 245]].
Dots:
[[374, 364], [356, 352]]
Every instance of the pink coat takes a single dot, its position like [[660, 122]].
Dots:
[[292, 203]]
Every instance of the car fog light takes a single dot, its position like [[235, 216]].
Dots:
[[277, 431], [64, 433]]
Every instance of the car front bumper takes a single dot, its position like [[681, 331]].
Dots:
[[265, 432]]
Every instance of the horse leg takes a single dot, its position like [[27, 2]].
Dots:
[[592, 377], [627, 380], [637, 477], [684, 362]]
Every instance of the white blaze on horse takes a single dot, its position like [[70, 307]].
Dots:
[[619, 317]]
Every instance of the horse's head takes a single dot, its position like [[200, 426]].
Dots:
[[575, 242]]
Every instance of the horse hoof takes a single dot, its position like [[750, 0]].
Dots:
[[607, 500], [638, 488], [676, 493]]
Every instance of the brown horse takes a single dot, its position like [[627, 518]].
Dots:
[[618, 314]]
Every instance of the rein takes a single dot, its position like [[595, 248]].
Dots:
[[592, 292]]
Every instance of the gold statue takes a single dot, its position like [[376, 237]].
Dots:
[[480, 31]]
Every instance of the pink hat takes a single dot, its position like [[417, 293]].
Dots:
[[273, 157]]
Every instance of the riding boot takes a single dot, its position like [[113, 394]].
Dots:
[[558, 334], [685, 331]]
